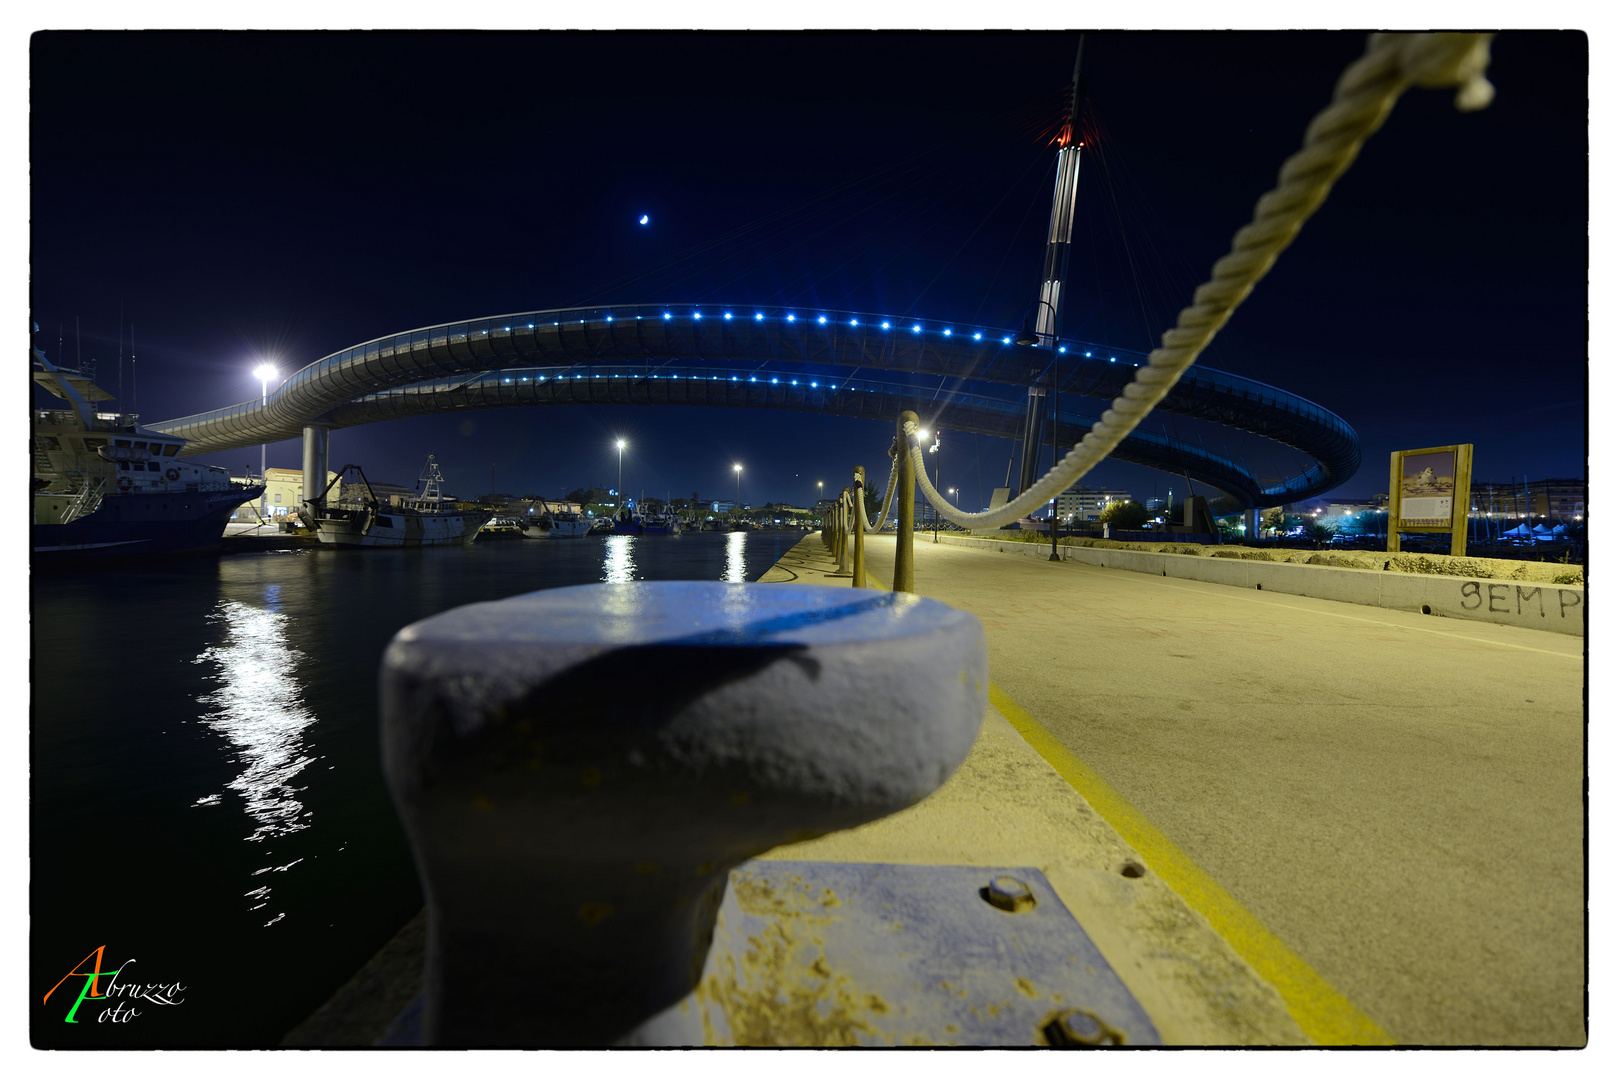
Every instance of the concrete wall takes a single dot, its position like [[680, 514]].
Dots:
[[1532, 604]]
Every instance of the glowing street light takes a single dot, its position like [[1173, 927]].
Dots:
[[621, 445], [264, 373], [738, 469]]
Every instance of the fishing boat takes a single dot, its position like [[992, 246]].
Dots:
[[663, 522], [501, 528], [430, 519], [105, 487], [552, 524], [628, 523]]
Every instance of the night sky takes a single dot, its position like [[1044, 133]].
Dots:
[[266, 195]]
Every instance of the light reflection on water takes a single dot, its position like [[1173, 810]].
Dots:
[[735, 564], [618, 566], [258, 708]]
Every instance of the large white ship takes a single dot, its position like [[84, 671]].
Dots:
[[430, 519], [106, 487]]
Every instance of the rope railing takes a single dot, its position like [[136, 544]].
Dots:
[[1364, 95]]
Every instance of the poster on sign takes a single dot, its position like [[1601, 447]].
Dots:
[[1430, 490], [1427, 490]]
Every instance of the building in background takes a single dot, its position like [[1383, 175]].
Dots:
[[283, 494], [1085, 504]]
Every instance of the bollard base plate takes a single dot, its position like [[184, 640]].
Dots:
[[882, 954]]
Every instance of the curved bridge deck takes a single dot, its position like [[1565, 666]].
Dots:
[[847, 363]]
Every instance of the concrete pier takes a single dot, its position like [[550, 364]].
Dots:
[[1281, 819], [1379, 803]]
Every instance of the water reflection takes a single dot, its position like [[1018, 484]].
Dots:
[[735, 561], [258, 708], [619, 563]]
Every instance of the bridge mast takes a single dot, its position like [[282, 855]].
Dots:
[[1049, 306]]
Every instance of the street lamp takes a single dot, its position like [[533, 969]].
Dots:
[[738, 469], [264, 373], [937, 469], [621, 445]]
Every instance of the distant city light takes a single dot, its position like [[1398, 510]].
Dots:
[[609, 318], [853, 322], [814, 386], [666, 315], [727, 314], [947, 333], [977, 337], [759, 316], [1005, 341], [698, 315], [916, 329], [884, 326], [792, 318], [823, 318]]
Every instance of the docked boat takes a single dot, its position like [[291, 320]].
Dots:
[[501, 528], [555, 524], [661, 522], [628, 523], [430, 519], [106, 487]]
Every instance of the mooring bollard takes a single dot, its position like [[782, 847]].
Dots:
[[579, 769], [859, 528], [904, 556], [845, 513]]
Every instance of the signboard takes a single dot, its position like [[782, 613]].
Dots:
[[1430, 490]]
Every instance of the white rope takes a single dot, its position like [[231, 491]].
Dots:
[[1363, 97], [887, 496]]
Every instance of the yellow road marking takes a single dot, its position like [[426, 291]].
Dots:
[[1325, 1015]]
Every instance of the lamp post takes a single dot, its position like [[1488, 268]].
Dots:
[[621, 445], [938, 468], [738, 470], [264, 372]]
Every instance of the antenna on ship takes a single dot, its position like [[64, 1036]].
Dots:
[[134, 384]]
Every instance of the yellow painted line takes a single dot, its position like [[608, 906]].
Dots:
[[1325, 1015]]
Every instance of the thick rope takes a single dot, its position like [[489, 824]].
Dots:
[[887, 496], [1364, 96]]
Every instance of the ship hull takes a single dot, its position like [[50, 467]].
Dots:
[[395, 529], [559, 530], [141, 525]]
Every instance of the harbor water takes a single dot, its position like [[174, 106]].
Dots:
[[207, 802]]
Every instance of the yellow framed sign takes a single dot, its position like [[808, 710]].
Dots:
[[1430, 490]]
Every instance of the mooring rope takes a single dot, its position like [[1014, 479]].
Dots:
[[887, 496], [1364, 96]]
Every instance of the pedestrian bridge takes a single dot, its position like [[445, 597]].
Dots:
[[961, 377]]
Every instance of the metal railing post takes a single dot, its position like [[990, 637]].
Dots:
[[859, 529], [904, 556]]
